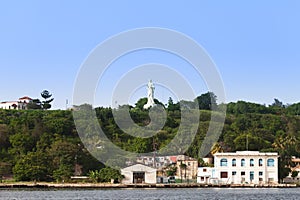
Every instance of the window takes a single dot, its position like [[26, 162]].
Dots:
[[233, 162], [251, 175], [251, 162], [223, 162], [233, 173], [204, 170], [224, 174], [270, 162], [260, 162], [260, 173], [243, 163], [243, 173]]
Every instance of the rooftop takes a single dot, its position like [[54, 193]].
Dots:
[[245, 153]]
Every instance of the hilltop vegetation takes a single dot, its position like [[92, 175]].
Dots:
[[44, 145]]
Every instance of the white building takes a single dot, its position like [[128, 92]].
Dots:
[[250, 167], [21, 104], [207, 175], [186, 166], [139, 174]]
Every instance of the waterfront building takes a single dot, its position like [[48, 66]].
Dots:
[[246, 167], [294, 168], [139, 173], [207, 175], [186, 166]]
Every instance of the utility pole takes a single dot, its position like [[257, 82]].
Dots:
[[247, 143], [154, 153], [67, 102]]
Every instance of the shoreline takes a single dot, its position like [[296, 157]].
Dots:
[[44, 185]]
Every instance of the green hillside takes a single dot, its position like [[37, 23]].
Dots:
[[44, 144]]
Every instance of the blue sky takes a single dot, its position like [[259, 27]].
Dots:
[[254, 44]]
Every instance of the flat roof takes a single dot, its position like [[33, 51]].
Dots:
[[247, 153]]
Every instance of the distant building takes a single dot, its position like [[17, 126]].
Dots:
[[138, 174], [243, 167], [295, 167], [207, 175], [21, 104], [186, 166]]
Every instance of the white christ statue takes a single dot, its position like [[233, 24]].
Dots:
[[150, 101]]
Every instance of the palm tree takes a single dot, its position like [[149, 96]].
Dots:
[[216, 148], [182, 166]]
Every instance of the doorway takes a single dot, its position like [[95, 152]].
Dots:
[[138, 177]]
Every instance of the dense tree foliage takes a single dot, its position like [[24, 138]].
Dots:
[[44, 145], [47, 99]]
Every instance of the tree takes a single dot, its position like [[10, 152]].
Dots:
[[62, 154], [4, 142], [216, 148], [106, 174], [173, 106], [140, 103], [294, 174], [207, 101], [34, 104], [63, 173], [182, 167], [46, 103], [278, 103], [171, 170], [32, 167]]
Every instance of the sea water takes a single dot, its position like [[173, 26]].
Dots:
[[154, 194]]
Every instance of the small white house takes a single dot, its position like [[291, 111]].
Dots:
[[138, 173], [207, 175], [242, 167]]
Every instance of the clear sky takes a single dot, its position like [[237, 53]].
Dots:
[[255, 44]]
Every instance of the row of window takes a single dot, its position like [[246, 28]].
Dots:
[[270, 162], [225, 174]]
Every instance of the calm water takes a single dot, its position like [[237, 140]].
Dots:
[[182, 193]]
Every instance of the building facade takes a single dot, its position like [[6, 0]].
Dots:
[[207, 175], [246, 167], [21, 104], [294, 168], [138, 174], [186, 166]]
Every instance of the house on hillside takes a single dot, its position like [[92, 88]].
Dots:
[[20, 104]]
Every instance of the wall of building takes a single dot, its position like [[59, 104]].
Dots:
[[248, 173], [9, 105], [191, 169], [150, 173]]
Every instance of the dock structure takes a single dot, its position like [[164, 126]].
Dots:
[[110, 185]]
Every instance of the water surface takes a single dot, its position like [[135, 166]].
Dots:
[[154, 194]]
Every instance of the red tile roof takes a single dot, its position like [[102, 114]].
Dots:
[[25, 97]]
